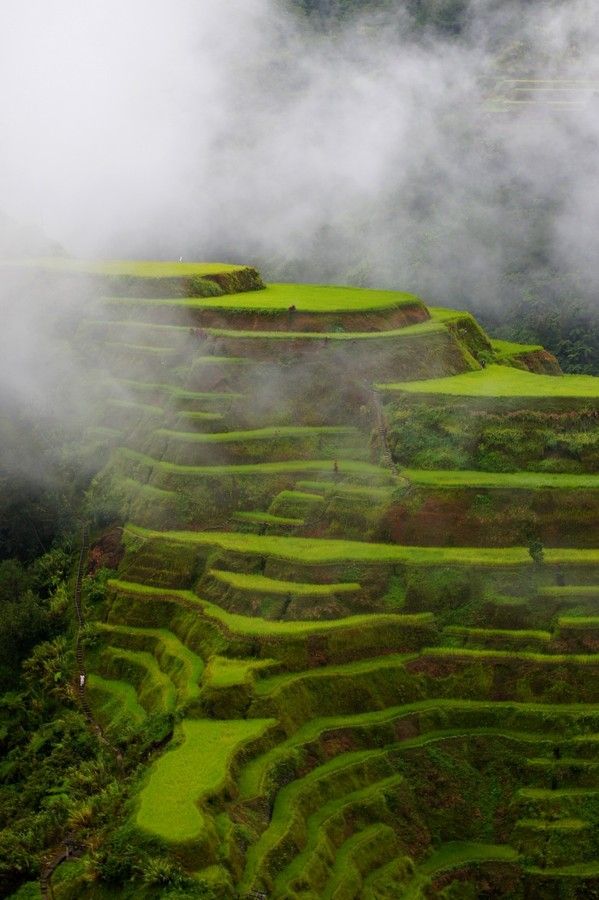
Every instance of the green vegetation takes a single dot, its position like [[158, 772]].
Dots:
[[270, 585], [319, 551], [348, 466], [507, 349], [338, 641], [247, 625], [257, 434], [503, 381], [168, 802], [306, 298], [421, 329], [136, 268], [117, 702], [531, 481]]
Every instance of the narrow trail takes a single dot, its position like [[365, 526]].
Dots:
[[381, 428], [79, 650], [70, 848]]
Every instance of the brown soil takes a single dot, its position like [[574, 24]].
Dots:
[[107, 552]]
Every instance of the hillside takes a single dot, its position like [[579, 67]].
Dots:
[[335, 618]]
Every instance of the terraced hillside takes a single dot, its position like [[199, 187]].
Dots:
[[359, 582]]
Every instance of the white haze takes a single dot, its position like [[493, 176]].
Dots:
[[225, 128]]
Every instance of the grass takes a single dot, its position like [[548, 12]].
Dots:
[[419, 330], [564, 762], [552, 825], [347, 670], [122, 267], [253, 626], [146, 490], [446, 314], [141, 348], [287, 803], [257, 434], [507, 349], [314, 550], [328, 487], [502, 381], [579, 659], [349, 467], [176, 391], [265, 518], [572, 590], [262, 585], [154, 686], [556, 793], [328, 817], [190, 663], [307, 298], [576, 871], [521, 634], [296, 502], [168, 802], [358, 848], [253, 773], [224, 672], [454, 854], [116, 701], [201, 416], [578, 622], [532, 481]]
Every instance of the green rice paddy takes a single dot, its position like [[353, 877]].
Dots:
[[531, 481], [258, 434], [419, 330], [313, 550], [122, 267], [181, 777], [502, 381], [307, 298], [345, 467], [262, 585], [254, 626], [117, 702]]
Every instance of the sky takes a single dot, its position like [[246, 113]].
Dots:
[[229, 129]]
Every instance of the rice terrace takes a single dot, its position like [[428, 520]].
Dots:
[[336, 619]]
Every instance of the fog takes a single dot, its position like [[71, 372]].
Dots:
[[233, 129]]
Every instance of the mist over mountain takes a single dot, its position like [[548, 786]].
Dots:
[[447, 148]]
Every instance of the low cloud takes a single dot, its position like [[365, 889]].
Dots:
[[233, 128]]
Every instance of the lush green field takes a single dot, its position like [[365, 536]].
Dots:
[[261, 584], [502, 381], [345, 467], [257, 434], [320, 551], [123, 267], [168, 802], [532, 481], [506, 349], [117, 702], [254, 626], [419, 330], [169, 649], [307, 298], [252, 776]]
